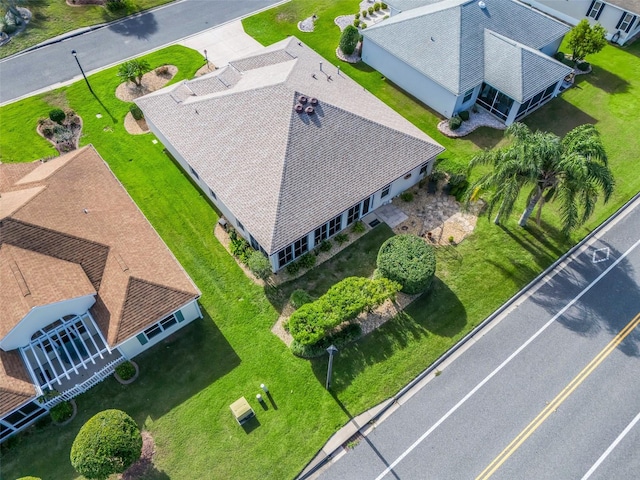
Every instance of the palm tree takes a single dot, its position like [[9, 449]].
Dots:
[[133, 70], [572, 170]]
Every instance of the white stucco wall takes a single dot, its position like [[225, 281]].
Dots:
[[132, 347], [40, 317], [424, 89]]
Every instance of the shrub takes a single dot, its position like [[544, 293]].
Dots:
[[9, 28], [259, 264], [115, 5], [455, 122], [363, 26], [370, 10], [61, 412], [451, 239], [408, 260], [464, 115], [559, 56], [583, 66], [341, 238], [384, 6], [349, 39], [364, 13], [376, 7], [357, 16], [136, 112], [307, 260], [406, 196], [126, 370], [300, 297], [110, 442], [162, 70], [47, 131], [349, 333], [342, 302], [458, 185], [57, 115], [356, 23], [358, 227], [238, 247], [292, 268], [325, 246]]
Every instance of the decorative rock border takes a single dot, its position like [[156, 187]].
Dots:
[[76, 130], [353, 58], [70, 419], [476, 120], [308, 24], [132, 379]]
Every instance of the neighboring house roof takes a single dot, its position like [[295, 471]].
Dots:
[[403, 5], [446, 40], [68, 228], [15, 385], [632, 6], [283, 173]]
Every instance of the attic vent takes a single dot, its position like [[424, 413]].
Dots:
[[298, 108], [302, 99], [309, 110], [314, 101], [482, 5]]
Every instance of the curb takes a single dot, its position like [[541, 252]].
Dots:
[[314, 465]]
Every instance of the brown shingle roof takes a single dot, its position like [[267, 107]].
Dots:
[[15, 384], [84, 216]]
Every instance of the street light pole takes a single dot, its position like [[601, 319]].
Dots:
[[206, 59], [75, 55], [332, 350]]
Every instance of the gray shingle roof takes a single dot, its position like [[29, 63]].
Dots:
[[519, 71], [632, 6], [282, 173], [445, 40]]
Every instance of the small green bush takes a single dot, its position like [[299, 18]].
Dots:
[[115, 5], [363, 25], [358, 227], [238, 247], [408, 260], [455, 122], [61, 412], [325, 246], [341, 238], [299, 298], [307, 260], [356, 23], [292, 268], [370, 10], [364, 13], [259, 264], [406, 196], [583, 66], [458, 185], [464, 115], [110, 442], [57, 115], [126, 370], [384, 6], [349, 39], [348, 334], [376, 6], [357, 16], [559, 56], [136, 112]]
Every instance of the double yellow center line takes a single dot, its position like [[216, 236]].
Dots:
[[555, 403]]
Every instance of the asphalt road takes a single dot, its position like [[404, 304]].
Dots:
[[550, 392], [53, 64]]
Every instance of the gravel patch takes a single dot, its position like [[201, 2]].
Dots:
[[343, 21], [476, 120], [151, 82], [135, 127], [353, 58], [308, 24]]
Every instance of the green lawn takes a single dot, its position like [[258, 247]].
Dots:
[[188, 382], [54, 17]]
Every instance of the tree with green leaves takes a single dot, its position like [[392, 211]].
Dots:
[[133, 70], [585, 39], [572, 170], [349, 39]]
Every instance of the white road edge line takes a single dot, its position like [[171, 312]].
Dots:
[[504, 364], [611, 447]]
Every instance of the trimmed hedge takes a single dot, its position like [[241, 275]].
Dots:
[[110, 442], [408, 260], [455, 122], [348, 334], [343, 302], [349, 39], [259, 265], [136, 113], [464, 115]]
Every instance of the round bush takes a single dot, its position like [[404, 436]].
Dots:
[[126, 370], [583, 66], [464, 115], [357, 15], [364, 13], [57, 115], [384, 6], [408, 260], [300, 297], [349, 39], [455, 122], [376, 7], [110, 442], [136, 112], [560, 56], [259, 265]]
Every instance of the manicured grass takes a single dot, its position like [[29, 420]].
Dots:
[[187, 383], [54, 17]]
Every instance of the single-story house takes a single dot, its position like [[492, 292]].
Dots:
[[619, 17], [86, 283], [288, 148], [452, 54]]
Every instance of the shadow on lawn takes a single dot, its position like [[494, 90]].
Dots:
[[535, 240], [446, 317], [609, 305], [604, 80], [559, 117]]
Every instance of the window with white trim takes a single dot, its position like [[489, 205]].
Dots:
[[424, 167], [385, 191], [467, 95], [353, 214], [285, 256], [320, 234], [335, 225], [300, 247], [595, 10], [626, 21], [160, 327]]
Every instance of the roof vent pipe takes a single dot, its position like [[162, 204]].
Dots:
[[482, 5], [320, 66], [309, 110], [298, 108], [302, 99], [314, 101]]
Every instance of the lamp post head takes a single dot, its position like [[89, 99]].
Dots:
[[332, 349], [74, 53]]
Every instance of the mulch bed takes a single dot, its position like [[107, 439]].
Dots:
[[145, 463]]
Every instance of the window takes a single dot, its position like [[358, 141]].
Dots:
[[320, 234], [595, 9], [300, 246], [335, 225], [153, 331], [366, 205], [495, 101], [213, 194], [424, 167], [285, 256], [353, 214], [467, 95], [240, 226], [158, 328], [168, 322], [385, 191], [625, 22], [193, 172]]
